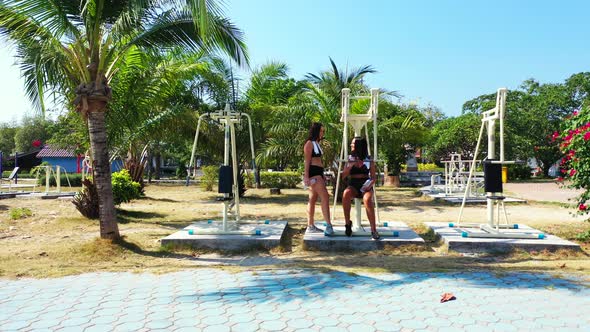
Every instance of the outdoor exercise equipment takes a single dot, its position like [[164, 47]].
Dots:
[[358, 123], [228, 173], [456, 173], [492, 180], [50, 170]]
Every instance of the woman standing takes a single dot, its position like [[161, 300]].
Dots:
[[361, 170], [314, 179]]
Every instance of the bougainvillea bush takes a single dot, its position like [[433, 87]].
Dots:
[[575, 165]]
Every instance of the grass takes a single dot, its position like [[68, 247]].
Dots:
[[55, 240], [19, 213]]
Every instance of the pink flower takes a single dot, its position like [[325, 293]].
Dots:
[[587, 136], [563, 170], [572, 172], [36, 143], [559, 179], [575, 113], [582, 207]]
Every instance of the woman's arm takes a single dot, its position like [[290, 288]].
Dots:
[[347, 167], [307, 148]]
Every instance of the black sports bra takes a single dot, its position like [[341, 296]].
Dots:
[[317, 150], [361, 170]]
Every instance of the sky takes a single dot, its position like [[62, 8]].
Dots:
[[441, 53]]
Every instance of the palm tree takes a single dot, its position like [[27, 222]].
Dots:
[[74, 48]]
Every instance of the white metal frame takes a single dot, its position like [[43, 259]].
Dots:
[[358, 123], [493, 228], [228, 118]]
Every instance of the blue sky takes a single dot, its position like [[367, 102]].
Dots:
[[438, 52]]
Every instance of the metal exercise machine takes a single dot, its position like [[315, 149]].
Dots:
[[358, 123], [228, 174], [492, 181]]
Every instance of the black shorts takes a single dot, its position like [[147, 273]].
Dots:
[[357, 184], [315, 171]]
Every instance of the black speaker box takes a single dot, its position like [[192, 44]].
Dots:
[[226, 179], [492, 175]]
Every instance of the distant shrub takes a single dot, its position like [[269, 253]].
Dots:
[[519, 172], [209, 178], [429, 168], [280, 180], [75, 180], [19, 213]]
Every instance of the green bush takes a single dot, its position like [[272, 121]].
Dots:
[[280, 180], [19, 213], [124, 189], [519, 172], [209, 178], [75, 180], [21, 175]]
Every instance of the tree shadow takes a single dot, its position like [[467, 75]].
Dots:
[[127, 216], [167, 200], [302, 285]]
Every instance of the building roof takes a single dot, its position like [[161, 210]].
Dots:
[[48, 152]]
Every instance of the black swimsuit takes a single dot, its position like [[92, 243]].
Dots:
[[357, 183], [313, 169]]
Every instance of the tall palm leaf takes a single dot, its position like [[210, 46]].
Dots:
[[75, 48]]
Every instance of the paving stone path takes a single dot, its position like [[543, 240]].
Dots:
[[295, 299]]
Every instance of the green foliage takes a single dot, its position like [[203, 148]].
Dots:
[[282, 180], [86, 200], [210, 177], [21, 175], [7, 133], [519, 172], [19, 213], [124, 188], [429, 168], [575, 165], [584, 236], [75, 180], [401, 130], [32, 129], [453, 135]]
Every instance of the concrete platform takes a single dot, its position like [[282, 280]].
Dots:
[[457, 198], [452, 236], [270, 236], [317, 241], [7, 195]]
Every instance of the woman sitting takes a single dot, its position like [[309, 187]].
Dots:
[[361, 172]]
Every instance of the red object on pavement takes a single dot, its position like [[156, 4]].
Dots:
[[447, 297]]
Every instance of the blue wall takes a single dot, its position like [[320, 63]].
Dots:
[[69, 163]]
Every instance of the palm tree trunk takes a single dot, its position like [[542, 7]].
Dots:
[[102, 171]]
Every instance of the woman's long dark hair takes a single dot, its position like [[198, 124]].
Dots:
[[314, 131], [361, 150]]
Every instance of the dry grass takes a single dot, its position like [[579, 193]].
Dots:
[[57, 241]]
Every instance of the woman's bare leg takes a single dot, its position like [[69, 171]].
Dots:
[[370, 208], [325, 199], [313, 196], [347, 197]]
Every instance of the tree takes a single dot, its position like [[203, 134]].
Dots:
[[32, 129], [454, 135], [74, 49], [7, 133], [401, 130]]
